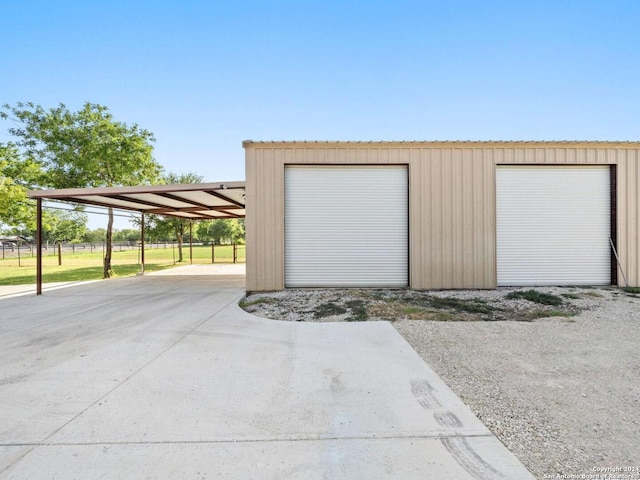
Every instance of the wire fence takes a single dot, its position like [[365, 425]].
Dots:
[[29, 250], [85, 254]]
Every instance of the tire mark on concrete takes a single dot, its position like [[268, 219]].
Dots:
[[447, 419], [468, 459], [424, 393], [12, 379]]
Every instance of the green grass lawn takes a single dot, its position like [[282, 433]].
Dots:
[[88, 266]]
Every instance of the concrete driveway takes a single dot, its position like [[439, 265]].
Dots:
[[164, 376]]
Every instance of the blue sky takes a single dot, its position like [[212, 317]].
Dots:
[[205, 75]]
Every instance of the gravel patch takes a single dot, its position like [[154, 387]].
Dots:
[[559, 385]]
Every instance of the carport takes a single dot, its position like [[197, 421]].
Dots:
[[196, 201]]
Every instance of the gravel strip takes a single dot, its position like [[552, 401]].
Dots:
[[561, 392]]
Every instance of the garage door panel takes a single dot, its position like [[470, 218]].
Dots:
[[346, 226], [553, 225]]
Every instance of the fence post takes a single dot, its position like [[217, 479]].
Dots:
[[190, 242], [213, 252], [59, 254], [19, 264], [235, 254]]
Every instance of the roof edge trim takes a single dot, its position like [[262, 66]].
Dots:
[[443, 143]]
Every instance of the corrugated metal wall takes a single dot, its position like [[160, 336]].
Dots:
[[452, 207], [452, 219]]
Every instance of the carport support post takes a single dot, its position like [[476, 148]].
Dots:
[[142, 244], [39, 246], [191, 241]]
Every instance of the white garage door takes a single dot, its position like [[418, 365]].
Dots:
[[553, 225], [346, 226]]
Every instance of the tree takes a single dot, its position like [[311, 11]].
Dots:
[[126, 235], [87, 148], [66, 226], [215, 231], [16, 210], [170, 228], [237, 230], [223, 230], [95, 236]]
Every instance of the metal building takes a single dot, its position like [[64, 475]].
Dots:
[[429, 215]]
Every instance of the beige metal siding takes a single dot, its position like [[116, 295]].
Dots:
[[452, 210], [628, 212], [265, 220], [452, 219]]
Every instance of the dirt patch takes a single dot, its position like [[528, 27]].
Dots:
[[304, 305]]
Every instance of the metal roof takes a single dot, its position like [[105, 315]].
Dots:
[[195, 201], [449, 143]]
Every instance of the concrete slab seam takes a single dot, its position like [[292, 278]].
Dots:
[[320, 438]]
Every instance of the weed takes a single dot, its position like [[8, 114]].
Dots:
[[469, 306], [571, 296], [358, 311], [593, 294], [558, 313], [536, 297], [410, 310], [327, 310], [631, 289]]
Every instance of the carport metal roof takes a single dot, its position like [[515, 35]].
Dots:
[[194, 201], [191, 201]]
